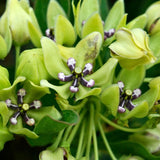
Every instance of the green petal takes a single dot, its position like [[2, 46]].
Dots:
[[4, 78], [5, 136], [115, 15], [86, 92], [88, 49], [49, 125], [139, 111], [138, 22], [35, 35], [54, 9], [18, 129], [3, 48], [52, 58], [110, 97], [4, 112], [94, 23], [104, 75], [44, 111], [34, 91], [31, 65], [125, 46], [10, 92], [132, 78], [64, 31], [63, 90]]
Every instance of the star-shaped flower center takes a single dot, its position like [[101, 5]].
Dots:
[[126, 97], [22, 108], [77, 75]]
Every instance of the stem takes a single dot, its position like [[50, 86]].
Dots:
[[100, 61], [120, 127], [67, 132], [81, 138], [106, 142], [91, 123], [147, 79], [96, 156], [18, 48], [74, 131], [56, 143]]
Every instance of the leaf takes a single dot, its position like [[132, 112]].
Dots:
[[48, 125], [3, 48], [128, 147], [110, 97], [41, 11], [132, 78]]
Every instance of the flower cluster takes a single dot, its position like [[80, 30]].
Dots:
[[78, 75]]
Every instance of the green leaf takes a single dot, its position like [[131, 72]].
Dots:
[[8, 38], [18, 129], [52, 58], [128, 147], [132, 78], [138, 22], [54, 9], [63, 90], [35, 34], [101, 77], [107, 98], [94, 23], [41, 12], [64, 31], [49, 125], [140, 111], [5, 136], [115, 15]]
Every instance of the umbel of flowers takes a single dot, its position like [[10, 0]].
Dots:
[[80, 85]]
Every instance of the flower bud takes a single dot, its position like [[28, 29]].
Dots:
[[132, 48], [31, 65], [153, 14]]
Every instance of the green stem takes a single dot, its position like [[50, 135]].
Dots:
[[106, 142], [100, 61], [91, 123], [147, 79], [67, 132], [96, 156], [74, 131], [81, 138], [18, 48], [56, 143], [120, 127]]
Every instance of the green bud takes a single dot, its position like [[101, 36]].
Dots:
[[153, 14], [31, 65], [132, 48]]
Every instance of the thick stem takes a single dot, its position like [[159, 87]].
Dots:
[[120, 127], [106, 142]]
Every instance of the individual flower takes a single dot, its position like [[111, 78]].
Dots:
[[131, 48], [124, 100], [17, 16], [59, 28], [73, 66], [153, 18]]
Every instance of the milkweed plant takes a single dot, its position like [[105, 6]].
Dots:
[[80, 84]]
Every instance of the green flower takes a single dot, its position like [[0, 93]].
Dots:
[[153, 18], [74, 65], [17, 16], [132, 48], [59, 28]]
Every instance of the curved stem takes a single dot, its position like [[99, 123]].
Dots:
[[91, 123], [80, 143], [56, 143], [18, 48], [106, 142], [66, 134], [120, 127]]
